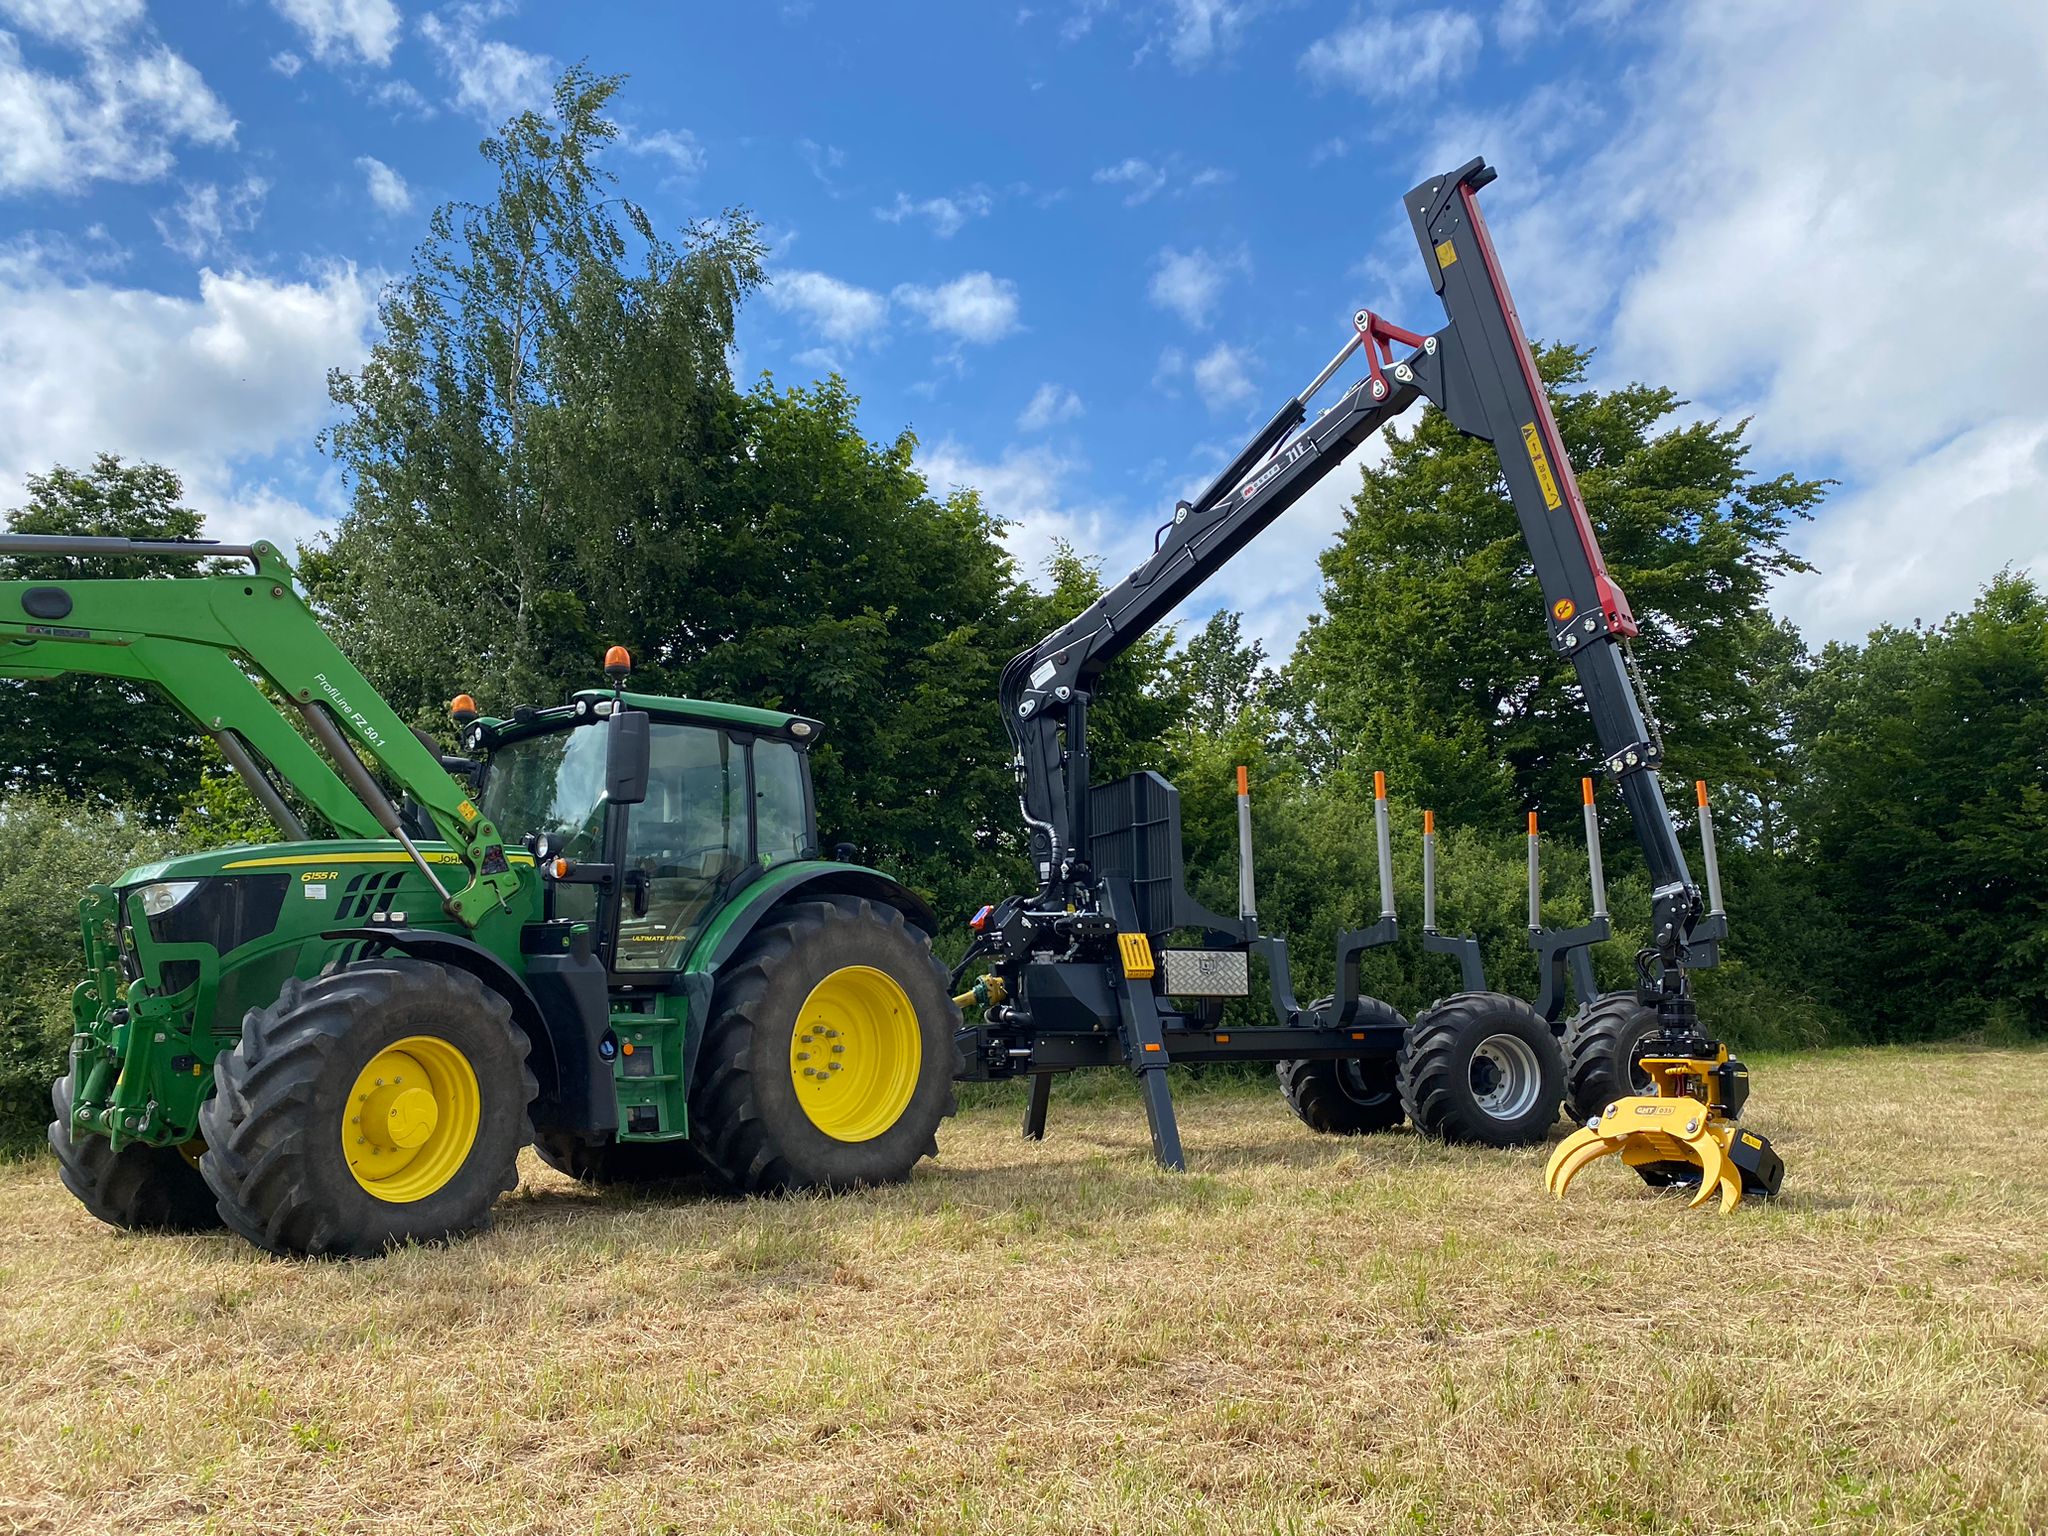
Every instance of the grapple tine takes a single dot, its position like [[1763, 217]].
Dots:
[[1731, 1188], [1566, 1167], [1563, 1150], [1713, 1164]]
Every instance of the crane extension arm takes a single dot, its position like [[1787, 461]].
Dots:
[[1479, 370], [192, 638]]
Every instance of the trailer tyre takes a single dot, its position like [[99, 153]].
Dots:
[[628, 1164], [1482, 1068], [1352, 1095], [1599, 1054], [380, 1103], [829, 1059], [138, 1188]]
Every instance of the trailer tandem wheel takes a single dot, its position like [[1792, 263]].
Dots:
[[1484, 1068]]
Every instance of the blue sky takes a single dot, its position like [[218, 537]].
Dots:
[[1082, 247]]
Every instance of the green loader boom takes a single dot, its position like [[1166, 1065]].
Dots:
[[341, 1040]]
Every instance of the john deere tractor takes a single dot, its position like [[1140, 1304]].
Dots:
[[340, 1041]]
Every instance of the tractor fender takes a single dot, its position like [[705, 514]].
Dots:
[[807, 877], [465, 954]]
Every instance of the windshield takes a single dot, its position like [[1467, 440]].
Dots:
[[552, 785]]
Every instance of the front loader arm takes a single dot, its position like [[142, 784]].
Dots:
[[1479, 370], [192, 637]]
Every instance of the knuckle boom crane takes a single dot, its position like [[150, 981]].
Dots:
[[1081, 975]]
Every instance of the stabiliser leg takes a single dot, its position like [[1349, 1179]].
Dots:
[[1034, 1110]]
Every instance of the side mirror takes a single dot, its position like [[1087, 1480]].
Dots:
[[626, 757]]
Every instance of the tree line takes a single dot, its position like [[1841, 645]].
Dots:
[[547, 453]]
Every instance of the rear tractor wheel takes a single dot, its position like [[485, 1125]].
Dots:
[[1483, 1068], [1352, 1095], [139, 1188], [828, 1062], [381, 1103]]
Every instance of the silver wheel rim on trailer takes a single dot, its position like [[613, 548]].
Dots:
[[1505, 1076]]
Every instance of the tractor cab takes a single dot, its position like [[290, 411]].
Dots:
[[646, 813]]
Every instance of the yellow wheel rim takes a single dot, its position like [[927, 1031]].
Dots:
[[411, 1119], [855, 1052]]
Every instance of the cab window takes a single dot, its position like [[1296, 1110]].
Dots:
[[781, 827], [688, 840]]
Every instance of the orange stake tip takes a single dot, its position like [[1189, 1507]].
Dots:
[[1379, 785], [1244, 780], [1429, 823], [1586, 790], [1699, 787], [1532, 823]]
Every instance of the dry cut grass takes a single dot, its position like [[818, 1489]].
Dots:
[[1306, 1335]]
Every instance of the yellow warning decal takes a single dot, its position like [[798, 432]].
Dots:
[[1544, 477], [467, 811], [1563, 609], [1136, 950], [1751, 1141], [1446, 254]]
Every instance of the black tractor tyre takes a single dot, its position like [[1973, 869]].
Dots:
[[1482, 1068], [1352, 1095], [275, 1155], [1599, 1054], [626, 1164], [138, 1188], [746, 1120]]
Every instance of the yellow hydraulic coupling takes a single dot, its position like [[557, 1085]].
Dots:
[[1681, 1132]]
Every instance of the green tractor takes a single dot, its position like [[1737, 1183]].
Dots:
[[339, 1042]]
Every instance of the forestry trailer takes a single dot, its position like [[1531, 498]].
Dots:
[[1082, 971], [340, 1041]]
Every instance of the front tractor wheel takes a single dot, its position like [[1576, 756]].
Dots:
[[1484, 1068], [140, 1188], [381, 1103], [828, 1061]]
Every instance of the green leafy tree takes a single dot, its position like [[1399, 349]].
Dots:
[[1923, 810], [1431, 660], [59, 734], [536, 431]]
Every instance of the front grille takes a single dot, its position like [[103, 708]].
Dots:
[[225, 912]]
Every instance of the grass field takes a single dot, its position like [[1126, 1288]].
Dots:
[[1305, 1335]]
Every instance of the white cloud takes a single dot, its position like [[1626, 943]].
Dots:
[[74, 23], [493, 80], [1387, 56], [1518, 23], [976, 306], [1027, 488], [1222, 377], [205, 221], [678, 146], [837, 311], [403, 97], [1140, 178], [946, 215], [344, 31], [1200, 30], [1858, 270], [387, 188], [202, 382], [287, 63], [1189, 283], [1053, 405], [117, 121]]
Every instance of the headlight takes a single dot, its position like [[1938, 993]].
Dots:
[[165, 894]]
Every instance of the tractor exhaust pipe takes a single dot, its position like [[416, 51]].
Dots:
[[1247, 897], [86, 544]]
